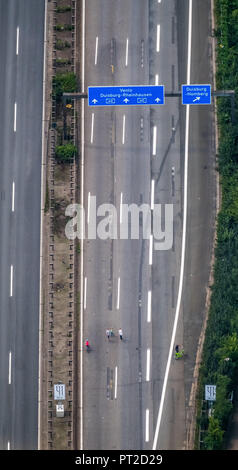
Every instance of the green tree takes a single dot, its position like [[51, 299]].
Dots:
[[65, 152], [214, 436], [64, 83], [229, 348], [223, 405]]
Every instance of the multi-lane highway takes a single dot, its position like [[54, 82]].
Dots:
[[134, 396], [21, 52]]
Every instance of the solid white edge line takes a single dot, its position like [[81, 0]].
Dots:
[[85, 293], [147, 365], [189, 44], [115, 391], [15, 117], [149, 307], [157, 429], [157, 79], [154, 140], [8, 446], [17, 41], [92, 128], [41, 227], [158, 38], [10, 368], [127, 47], [96, 51], [13, 196], [82, 234], [147, 425], [118, 292]]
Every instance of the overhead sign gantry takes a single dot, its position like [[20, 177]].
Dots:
[[192, 94]]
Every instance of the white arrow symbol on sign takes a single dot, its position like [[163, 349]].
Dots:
[[196, 99], [126, 100], [94, 101], [157, 99]]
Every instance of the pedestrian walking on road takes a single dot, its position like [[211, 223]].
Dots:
[[108, 333], [120, 333]]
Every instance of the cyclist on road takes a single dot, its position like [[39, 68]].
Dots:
[[179, 351]]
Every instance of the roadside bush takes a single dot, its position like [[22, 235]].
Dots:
[[64, 83], [63, 9], [60, 45], [65, 153], [63, 27], [63, 61], [214, 437], [59, 27]]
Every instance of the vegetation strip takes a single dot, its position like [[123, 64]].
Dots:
[[58, 430], [220, 354]]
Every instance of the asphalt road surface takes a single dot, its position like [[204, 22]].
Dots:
[[136, 155], [21, 52]]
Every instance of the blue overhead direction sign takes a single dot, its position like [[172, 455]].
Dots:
[[196, 94], [125, 95]]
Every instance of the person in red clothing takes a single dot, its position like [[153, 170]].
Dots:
[[87, 344]]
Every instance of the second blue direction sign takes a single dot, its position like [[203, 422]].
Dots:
[[196, 94], [125, 95]]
